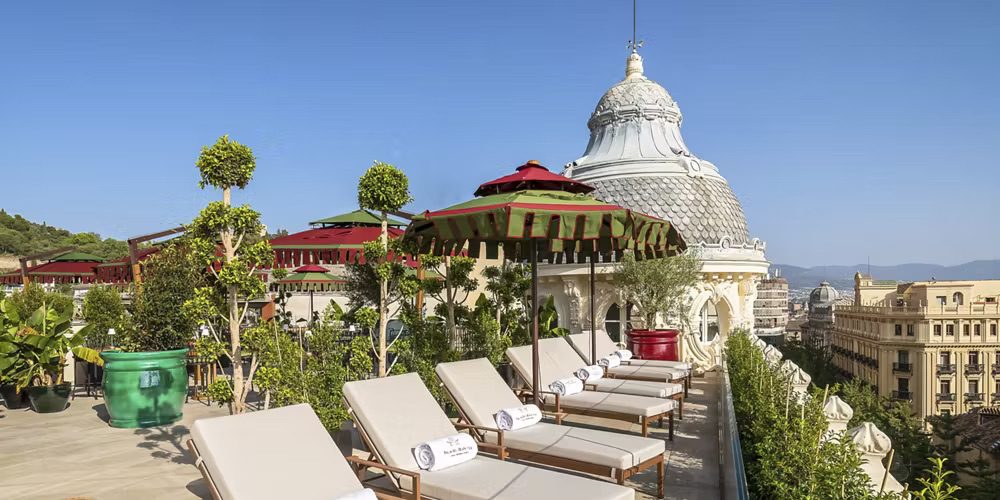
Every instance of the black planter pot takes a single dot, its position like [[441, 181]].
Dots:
[[13, 399], [49, 398]]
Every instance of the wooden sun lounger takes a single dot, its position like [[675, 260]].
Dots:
[[627, 407], [394, 414], [633, 369], [479, 393]]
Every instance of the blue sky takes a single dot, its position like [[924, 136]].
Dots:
[[848, 129]]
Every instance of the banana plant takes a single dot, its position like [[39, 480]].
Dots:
[[34, 350]]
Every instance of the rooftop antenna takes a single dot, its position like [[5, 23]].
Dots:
[[634, 43]]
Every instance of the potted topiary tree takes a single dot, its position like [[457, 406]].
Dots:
[[37, 348], [660, 289], [383, 188], [145, 382]]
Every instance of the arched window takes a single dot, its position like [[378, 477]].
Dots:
[[957, 298], [613, 322]]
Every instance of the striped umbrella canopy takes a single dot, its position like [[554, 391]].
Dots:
[[536, 215], [310, 278]]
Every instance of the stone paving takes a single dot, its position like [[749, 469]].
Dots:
[[74, 454]]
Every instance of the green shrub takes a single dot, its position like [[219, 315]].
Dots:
[[103, 308], [169, 280]]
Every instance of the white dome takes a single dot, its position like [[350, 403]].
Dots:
[[637, 158]]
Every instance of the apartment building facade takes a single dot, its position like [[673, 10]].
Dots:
[[935, 344]]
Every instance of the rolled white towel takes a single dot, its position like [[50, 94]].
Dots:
[[519, 417], [445, 452], [365, 494], [590, 373], [624, 354], [567, 386], [609, 361]]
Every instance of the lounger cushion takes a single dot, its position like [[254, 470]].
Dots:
[[638, 387], [478, 389], [641, 406], [488, 479], [665, 374], [245, 453], [610, 449]]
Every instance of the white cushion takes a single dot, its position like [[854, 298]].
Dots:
[[245, 453]]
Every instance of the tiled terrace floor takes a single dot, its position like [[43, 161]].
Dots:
[[74, 454]]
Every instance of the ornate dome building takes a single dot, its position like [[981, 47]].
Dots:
[[637, 158]]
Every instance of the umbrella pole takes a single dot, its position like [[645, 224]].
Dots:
[[535, 371], [311, 313], [593, 316]]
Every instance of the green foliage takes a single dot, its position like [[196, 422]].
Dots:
[[659, 286], [34, 347], [548, 320], [226, 164], [103, 309], [383, 188], [426, 345], [364, 280], [28, 299], [783, 454], [894, 418], [483, 339], [507, 287], [936, 486], [19, 236], [451, 287], [169, 281]]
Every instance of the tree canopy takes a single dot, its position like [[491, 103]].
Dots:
[[20, 236]]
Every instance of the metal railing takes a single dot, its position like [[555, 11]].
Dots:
[[946, 368], [734, 484], [995, 368], [902, 367], [974, 368], [946, 397], [902, 395], [974, 397]]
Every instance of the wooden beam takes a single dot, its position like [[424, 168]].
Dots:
[[40, 255], [133, 249]]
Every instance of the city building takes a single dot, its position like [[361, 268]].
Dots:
[[770, 309], [637, 158], [820, 314], [933, 343]]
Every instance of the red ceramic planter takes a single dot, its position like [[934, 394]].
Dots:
[[654, 344]]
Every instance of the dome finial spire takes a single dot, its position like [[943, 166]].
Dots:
[[633, 67]]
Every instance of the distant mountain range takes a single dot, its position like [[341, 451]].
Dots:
[[842, 277]]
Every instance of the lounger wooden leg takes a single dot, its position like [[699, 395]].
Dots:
[[680, 409], [660, 423], [621, 477], [660, 473], [671, 426], [645, 426]]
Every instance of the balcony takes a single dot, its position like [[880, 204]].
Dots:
[[974, 397], [995, 398], [902, 395], [946, 397], [902, 367], [974, 369], [995, 368], [945, 369]]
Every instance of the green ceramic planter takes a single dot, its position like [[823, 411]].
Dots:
[[49, 398], [145, 389]]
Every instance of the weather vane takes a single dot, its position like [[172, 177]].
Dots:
[[634, 43]]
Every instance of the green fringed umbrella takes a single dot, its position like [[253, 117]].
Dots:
[[310, 278], [535, 214]]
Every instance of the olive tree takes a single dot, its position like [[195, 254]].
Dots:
[[230, 243], [383, 188], [659, 286]]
